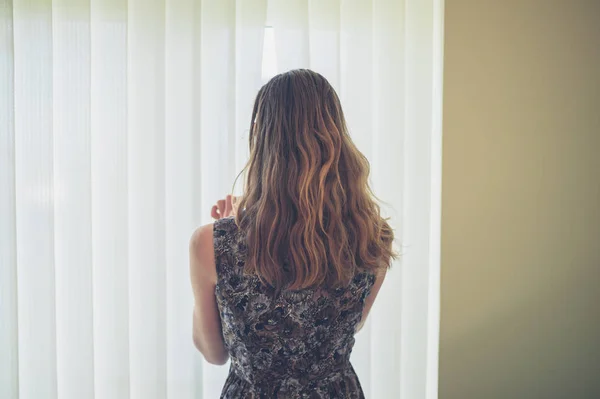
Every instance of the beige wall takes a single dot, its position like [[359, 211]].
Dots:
[[521, 200]]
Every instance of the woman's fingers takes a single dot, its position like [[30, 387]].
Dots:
[[224, 208], [221, 206], [214, 213]]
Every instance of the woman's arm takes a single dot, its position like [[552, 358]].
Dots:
[[371, 298], [207, 333]]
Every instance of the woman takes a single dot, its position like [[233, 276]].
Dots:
[[282, 286]]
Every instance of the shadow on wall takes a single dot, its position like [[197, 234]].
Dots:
[[520, 311]]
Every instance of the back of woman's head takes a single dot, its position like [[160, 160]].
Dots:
[[309, 214]]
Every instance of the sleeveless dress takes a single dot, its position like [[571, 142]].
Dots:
[[295, 344]]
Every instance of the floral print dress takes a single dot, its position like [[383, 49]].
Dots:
[[295, 344]]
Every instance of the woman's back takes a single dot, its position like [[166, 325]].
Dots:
[[292, 344], [282, 288]]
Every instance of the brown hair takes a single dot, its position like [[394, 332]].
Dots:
[[310, 216]]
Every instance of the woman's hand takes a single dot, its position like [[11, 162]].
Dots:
[[225, 208]]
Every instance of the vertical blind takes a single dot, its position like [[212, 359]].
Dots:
[[123, 121]]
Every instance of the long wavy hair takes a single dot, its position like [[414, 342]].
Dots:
[[309, 214]]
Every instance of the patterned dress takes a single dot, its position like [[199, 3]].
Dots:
[[295, 344]]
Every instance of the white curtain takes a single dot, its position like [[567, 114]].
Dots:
[[122, 121]]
